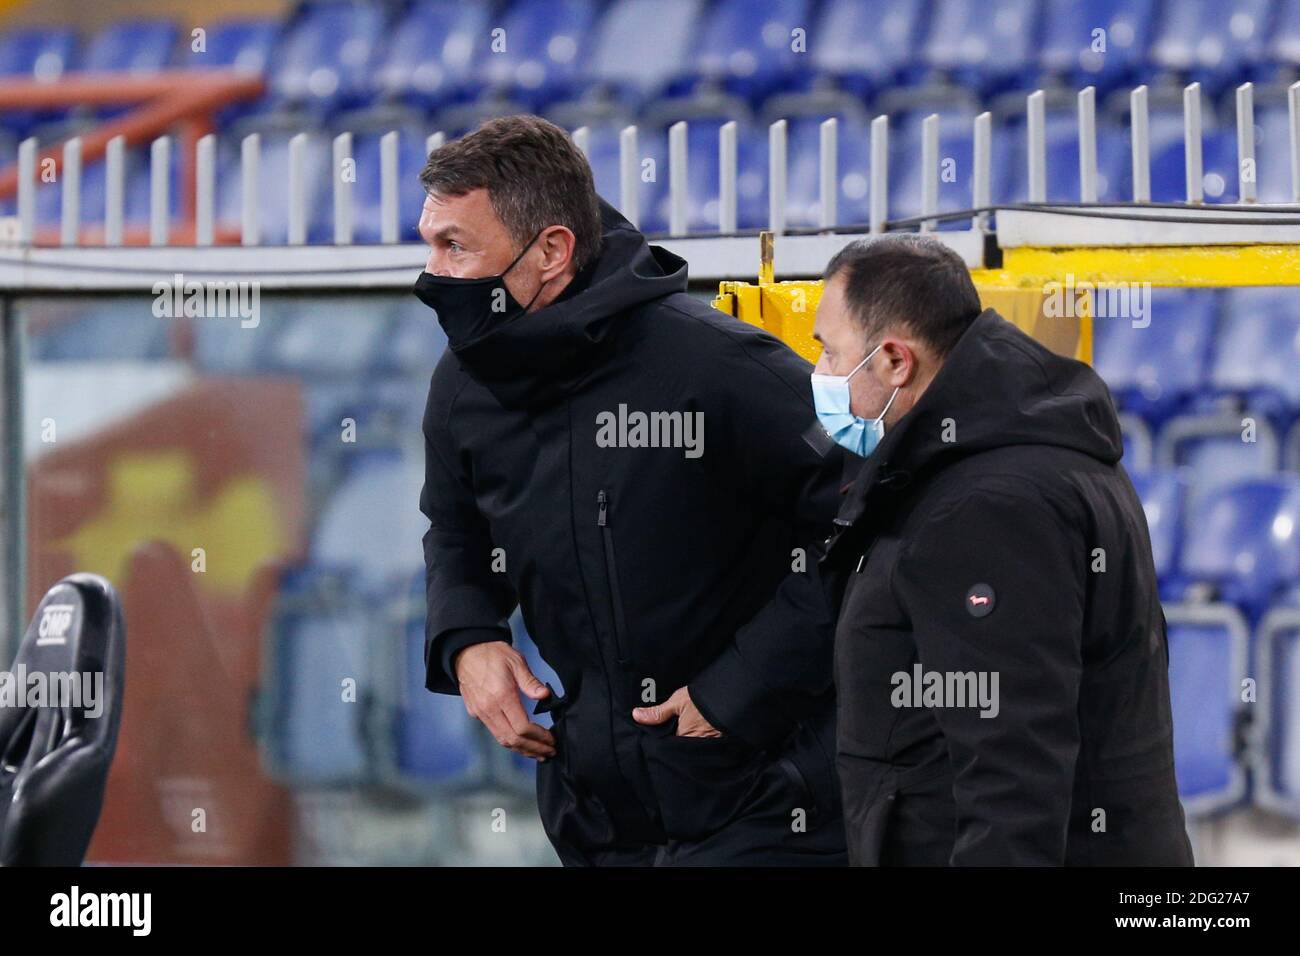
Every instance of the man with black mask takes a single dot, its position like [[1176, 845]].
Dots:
[[670, 581]]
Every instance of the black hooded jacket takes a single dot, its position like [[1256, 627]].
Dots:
[[639, 570], [993, 532]]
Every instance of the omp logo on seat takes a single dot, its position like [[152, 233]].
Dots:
[[56, 619]]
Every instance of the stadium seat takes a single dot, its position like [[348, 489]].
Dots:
[[435, 744], [1277, 739], [866, 44], [1212, 452], [668, 27], [1211, 41], [1257, 351], [1207, 664], [545, 48], [244, 45], [1155, 369], [986, 44], [323, 59], [318, 691], [1072, 52], [433, 51], [751, 50], [415, 343], [803, 173], [703, 178], [376, 505], [367, 191], [1139, 449], [54, 760], [1161, 494], [38, 53], [273, 176], [652, 172], [105, 328], [1245, 540], [132, 46]]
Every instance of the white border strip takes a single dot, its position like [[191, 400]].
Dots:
[[137, 268]]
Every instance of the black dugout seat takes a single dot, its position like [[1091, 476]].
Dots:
[[55, 751]]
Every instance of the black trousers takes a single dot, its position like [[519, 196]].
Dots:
[[768, 831]]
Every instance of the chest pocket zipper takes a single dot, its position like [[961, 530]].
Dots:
[[611, 573]]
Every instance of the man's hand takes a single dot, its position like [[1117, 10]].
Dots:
[[690, 723], [491, 676]]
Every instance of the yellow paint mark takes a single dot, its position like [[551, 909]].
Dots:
[[153, 496]]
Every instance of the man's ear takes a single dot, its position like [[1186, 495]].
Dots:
[[901, 362], [558, 244]]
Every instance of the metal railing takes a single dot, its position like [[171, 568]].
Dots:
[[678, 166]]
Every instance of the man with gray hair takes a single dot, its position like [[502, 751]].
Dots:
[[1000, 658], [643, 476]]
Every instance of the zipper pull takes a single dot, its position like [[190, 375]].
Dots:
[[600, 516]]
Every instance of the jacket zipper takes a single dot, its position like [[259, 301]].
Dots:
[[611, 574]]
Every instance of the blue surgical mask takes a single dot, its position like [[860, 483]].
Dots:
[[832, 400]]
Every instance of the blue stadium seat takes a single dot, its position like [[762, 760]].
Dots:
[[983, 43], [367, 195], [1162, 500], [803, 176], [1273, 155], [1212, 41], [433, 52], [1284, 38], [322, 336], [231, 347], [323, 59], [136, 199], [1154, 370], [1277, 745], [1257, 351], [1207, 663], [1219, 179], [668, 27], [1168, 172], [376, 505], [273, 176], [750, 49], [101, 328], [1139, 448], [1211, 452], [1246, 541], [545, 48], [38, 53], [311, 733], [1070, 48], [243, 45], [703, 178], [132, 46], [435, 742], [867, 44], [652, 171], [415, 343]]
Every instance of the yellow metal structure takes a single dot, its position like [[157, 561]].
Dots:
[[788, 309]]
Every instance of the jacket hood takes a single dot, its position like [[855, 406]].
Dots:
[[534, 356], [998, 387]]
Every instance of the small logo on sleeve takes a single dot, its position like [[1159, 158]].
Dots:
[[980, 600]]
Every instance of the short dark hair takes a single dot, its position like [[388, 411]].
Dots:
[[534, 175], [910, 281]]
